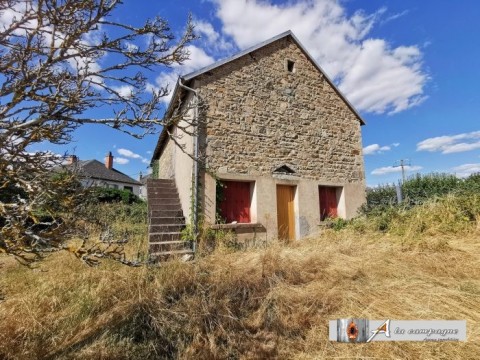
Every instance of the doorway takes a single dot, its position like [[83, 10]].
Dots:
[[328, 202], [286, 212]]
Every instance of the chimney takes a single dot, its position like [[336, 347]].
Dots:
[[109, 160], [72, 159]]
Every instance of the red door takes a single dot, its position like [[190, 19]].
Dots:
[[236, 202], [328, 202]]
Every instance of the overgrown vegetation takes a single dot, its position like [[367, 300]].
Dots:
[[420, 188], [274, 302], [110, 195]]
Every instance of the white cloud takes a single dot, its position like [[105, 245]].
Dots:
[[124, 91], [394, 169], [131, 47], [130, 154], [375, 149], [211, 37], [395, 16], [206, 30], [451, 144], [120, 161], [374, 76], [466, 170], [198, 58]]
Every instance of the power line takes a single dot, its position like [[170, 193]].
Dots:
[[402, 163]]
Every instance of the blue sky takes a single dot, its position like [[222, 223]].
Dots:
[[410, 68]]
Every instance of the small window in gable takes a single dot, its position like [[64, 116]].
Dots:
[[284, 170], [291, 66]]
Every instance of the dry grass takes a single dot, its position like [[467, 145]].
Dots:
[[259, 303]]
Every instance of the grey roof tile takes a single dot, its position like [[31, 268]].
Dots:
[[96, 170]]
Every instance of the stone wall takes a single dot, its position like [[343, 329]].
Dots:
[[261, 116]]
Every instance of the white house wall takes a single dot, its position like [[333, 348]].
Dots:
[[183, 163]]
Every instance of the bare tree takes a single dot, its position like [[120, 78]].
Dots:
[[54, 70]]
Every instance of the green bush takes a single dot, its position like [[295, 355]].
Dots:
[[108, 213], [380, 197], [109, 195]]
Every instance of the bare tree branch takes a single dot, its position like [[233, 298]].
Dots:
[[59, 60]]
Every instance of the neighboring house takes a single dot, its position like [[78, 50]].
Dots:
[[94, 173], [143, 187], [279, 145]]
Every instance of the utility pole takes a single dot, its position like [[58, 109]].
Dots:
[[402, 163]]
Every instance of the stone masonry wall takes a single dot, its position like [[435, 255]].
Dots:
[[261, 116]]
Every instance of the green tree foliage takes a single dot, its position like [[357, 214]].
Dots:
[[109, 195], [419, 189]]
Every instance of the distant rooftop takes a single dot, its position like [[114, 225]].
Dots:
[[96, 170]]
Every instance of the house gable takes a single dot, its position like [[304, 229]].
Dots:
[[260, 114], [244, 58]]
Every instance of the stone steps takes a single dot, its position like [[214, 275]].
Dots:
[[166, 221], [167, 246], [166, 228], [165, 236], [160, 220], [165, 207], [170, 255], [163, 196], [166, 213]]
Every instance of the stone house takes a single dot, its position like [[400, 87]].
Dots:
[[279, 146]]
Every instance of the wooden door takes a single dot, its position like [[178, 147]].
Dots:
[[236, 202], [286, 212], [328, 202]]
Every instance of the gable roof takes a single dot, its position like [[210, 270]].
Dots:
[[96, 170], [178, 91]]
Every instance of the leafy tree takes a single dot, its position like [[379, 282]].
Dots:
[[59, 59]]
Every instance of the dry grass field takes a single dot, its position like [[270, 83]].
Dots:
[[259, 303]]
